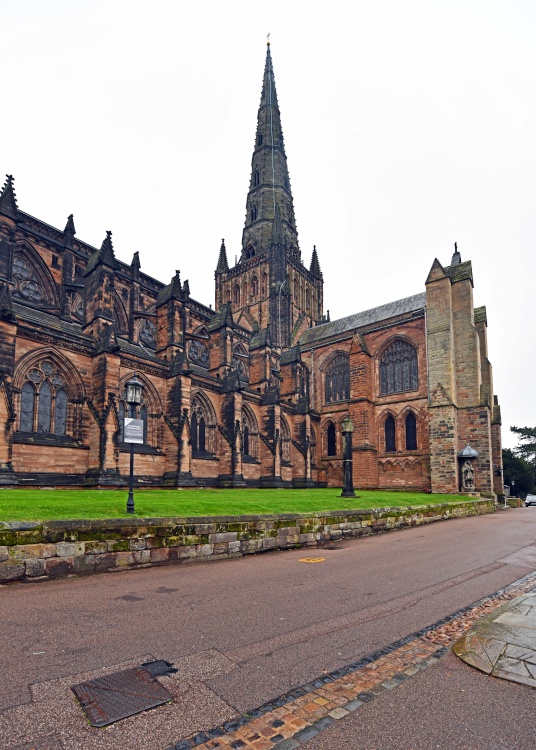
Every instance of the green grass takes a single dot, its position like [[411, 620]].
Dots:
[[40, 505]]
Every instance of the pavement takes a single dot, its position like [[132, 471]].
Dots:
[[277, 653]]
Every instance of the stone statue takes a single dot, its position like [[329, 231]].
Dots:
[[468, 476]]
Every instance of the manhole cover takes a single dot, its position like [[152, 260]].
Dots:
[[312, 559], [116, 696]]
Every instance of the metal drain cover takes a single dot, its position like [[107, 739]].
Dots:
[[116, 696]]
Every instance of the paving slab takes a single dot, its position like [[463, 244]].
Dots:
[[503, 643]]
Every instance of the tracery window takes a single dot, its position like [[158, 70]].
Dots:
[[285, 440], [148, 334], [390, 435], [338, 379], [44, 401], [250, 432], [236, 295], [27, 285], [331, 440], [398, 368], [411, 432], [201, 426], [198, 353]]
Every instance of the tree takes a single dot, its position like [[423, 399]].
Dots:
[[519, 470], [527, 447]]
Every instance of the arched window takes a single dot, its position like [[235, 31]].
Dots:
[[307, 301], [27, 407], [398, 368], [264, 284], [236, 295], [331, 440], [245, 441], [250, 433], [254, 286], [201, 429], [338, 379], [253, 213], [411, 432], [256, 174], [390, 435], [44, 402]]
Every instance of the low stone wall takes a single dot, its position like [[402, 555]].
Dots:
[[40, 551]]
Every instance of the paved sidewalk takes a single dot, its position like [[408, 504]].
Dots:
[[503, 643]]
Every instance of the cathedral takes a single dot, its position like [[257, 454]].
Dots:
[[251, 393]]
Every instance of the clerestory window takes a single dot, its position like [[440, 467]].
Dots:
[[398, 368], [337, 386]]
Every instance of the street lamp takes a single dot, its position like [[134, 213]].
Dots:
[[133, 432], [347, 428]]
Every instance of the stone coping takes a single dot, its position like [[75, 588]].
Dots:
[[137, 521]]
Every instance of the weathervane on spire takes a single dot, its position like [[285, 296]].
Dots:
[[268, 38]]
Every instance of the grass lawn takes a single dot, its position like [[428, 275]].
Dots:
[[40, 505]]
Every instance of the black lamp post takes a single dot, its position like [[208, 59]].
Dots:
[[347, 428], [134, 391]]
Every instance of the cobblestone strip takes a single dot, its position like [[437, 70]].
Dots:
[[298, 716]]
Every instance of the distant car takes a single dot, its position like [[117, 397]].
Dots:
[[530, 500]]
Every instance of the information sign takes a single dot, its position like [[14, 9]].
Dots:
[[133, 430]]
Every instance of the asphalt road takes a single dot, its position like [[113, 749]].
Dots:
[[244, 631]]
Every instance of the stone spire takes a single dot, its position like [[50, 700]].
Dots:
[[269, 185], [8, 200], [223, 265], [315, 265]]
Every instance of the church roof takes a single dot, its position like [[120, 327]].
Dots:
[[368, 317]]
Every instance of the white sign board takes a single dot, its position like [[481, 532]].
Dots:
[[133, 430]]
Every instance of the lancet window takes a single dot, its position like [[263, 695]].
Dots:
[[390, 434], [250, 433], [398, 368], [411, 432], [285, 440], [202, 426], [338, 379], [331, 440]]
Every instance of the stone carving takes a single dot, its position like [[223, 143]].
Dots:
[[468, 476], [148, 334], [199, 354]]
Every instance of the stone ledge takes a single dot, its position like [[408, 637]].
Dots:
[[32, 551]]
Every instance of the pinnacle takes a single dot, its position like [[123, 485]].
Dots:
[[223, 265], [456, 258], [8, 199], [315, 265]]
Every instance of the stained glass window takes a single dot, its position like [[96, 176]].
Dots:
[[60, 413], [411, 432], [143, 417], [338, 379], [44, 411], [27, 405], [331, 440], [390, 438], [398, 368]]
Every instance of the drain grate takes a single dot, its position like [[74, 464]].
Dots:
[[116, 696]]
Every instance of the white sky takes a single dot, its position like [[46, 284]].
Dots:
[[408, 126]]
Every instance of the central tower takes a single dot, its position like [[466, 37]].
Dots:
[[270, 287]]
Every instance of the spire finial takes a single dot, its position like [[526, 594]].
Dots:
[[456, 258], [268, 39]]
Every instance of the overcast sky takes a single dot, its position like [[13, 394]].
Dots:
[[408, 126]]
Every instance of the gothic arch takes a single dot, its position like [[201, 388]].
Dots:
[[33, 280], [285, 437], [50, 394], [411, 433], [75, 386], [202, 423], [335, 371], [388, 437], [150, 410], [250, 432]]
